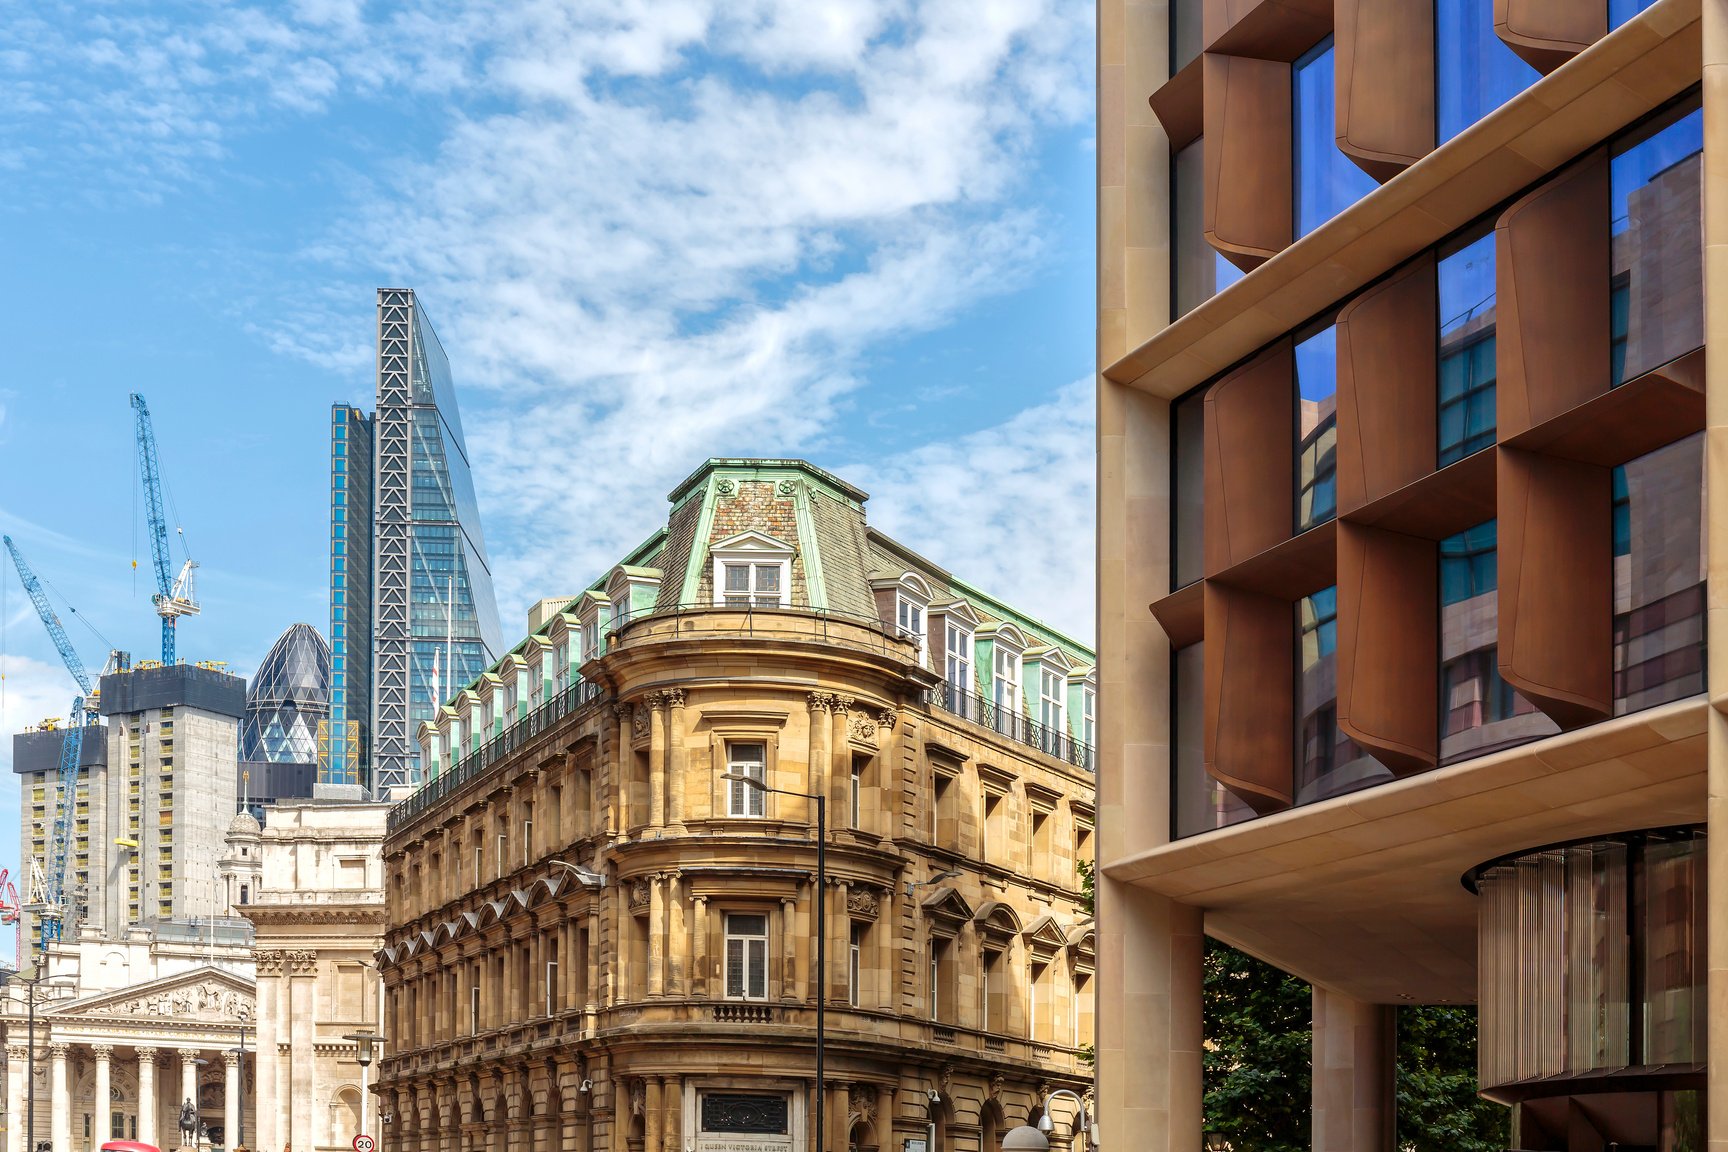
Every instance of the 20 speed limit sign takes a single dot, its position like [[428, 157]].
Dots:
[[365, 1143]]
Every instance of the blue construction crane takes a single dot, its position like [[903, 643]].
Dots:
[[175, 595], [46, 892]]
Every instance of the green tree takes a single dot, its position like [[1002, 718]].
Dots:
[[1258, 1052], [1259, 1056], [1438, 1108]]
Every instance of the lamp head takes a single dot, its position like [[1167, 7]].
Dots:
[[1045, 1124], [741, 778]]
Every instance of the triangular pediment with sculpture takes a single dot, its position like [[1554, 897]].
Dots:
[[202, 994]]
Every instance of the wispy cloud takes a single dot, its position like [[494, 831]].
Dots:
[[651, 232]]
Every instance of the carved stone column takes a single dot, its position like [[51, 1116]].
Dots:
[[230, 1098], [147, 1095], [653, 1118], [699, 949], [188, 1076], [60, 1097], [617, 731], [656, 702], [840, 774], [789, 989], [677, 935], [839, 944], [592, 1006], [675, 768], [102, 1106], [818, 704], [302, 1071], [17, 1068], [656, 934], [839, 1105]]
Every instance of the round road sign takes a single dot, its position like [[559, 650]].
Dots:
[[364, 1143]]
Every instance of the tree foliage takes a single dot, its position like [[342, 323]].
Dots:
[[1259, 1057]]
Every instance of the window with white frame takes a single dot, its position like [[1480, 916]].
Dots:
[[590, 640], [1051, 685], [465, 737], [536, 685], [854, 965], [621, 611], [746, 957], [960, 658], [1089, 707], [561, 666], [911, 615], [749, 583], [856, 795], [1007, 689], [746, 760], [485, 717], [510, 702]]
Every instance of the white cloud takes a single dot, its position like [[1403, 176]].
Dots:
[[34, 691], [1007, 509], [653, 231]]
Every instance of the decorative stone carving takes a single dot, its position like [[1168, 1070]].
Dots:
[[820, 701], [889, 718], [673, 697], [59, 1051], [861, 1102], [786, 487], [208, 1000], [639, 1090], [641, 719], [945, 1079], [997, 1084], [725, 486], [17, 1052], [862, 901], [301, 961], [860, 727], [639, 894], [842, 702]]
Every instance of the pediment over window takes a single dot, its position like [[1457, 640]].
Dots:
[[997, 923], [1083, 948], [752, 541], [946, 907], [1044, 938], [958, 612]]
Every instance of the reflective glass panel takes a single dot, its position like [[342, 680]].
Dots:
[[1188, 422], [1185, 34], [1479, 711], [1327, 181], [1466, 387], [1659, 570], [1200, 271], [1657, 255], [1201, 803], [1474, 71], [1620, 11], [1328, 763], [1317, 429]]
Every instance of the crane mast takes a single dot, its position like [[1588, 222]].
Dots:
[[47, 890], [175, 595]]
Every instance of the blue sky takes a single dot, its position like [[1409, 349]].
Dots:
[[858, 231]]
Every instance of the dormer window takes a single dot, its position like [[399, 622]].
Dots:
[[752, 570], [1007, 688], [903, 600], [1050, 685], [536, 685], [959, 657], [1089, 706], [561, 665]]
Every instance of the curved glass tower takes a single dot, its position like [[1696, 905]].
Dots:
[[288, 699]]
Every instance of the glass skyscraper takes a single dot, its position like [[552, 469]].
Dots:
[[289, 699], [415, 615]]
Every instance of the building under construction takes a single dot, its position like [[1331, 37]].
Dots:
[[154, 796]]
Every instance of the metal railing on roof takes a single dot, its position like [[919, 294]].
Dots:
[[562, 704], [823, 625], [1012, 723]]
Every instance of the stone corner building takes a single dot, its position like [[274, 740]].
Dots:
[[768, 631]]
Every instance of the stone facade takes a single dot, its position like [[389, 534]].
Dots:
[[319, 913], [672, 1006]]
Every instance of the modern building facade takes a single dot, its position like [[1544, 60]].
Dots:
[[311, 881], [1405, 422], [595, 939], [412, 610], [165, 784], [288, 700]]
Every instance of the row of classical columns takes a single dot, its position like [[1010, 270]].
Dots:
[[286, 1092], [150, 1126]]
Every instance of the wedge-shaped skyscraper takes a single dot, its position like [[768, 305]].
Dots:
[[412, 610]]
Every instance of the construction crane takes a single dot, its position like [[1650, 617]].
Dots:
[[175, 595], [47, 888], [10, 914]]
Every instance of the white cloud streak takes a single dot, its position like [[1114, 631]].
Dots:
[[651, 231]]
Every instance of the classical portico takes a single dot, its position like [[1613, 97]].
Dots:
[[145, 1050]]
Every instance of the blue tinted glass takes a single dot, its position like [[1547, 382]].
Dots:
[[1467, 367], [1317, 429], [1474, 71], [1656, 261], [1327, 181], [1620, 11], [1328, 762]]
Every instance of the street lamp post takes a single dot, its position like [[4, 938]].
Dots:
[[1045, 1124], [821, 933], [365, 1040], [30, 1073]]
